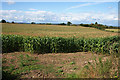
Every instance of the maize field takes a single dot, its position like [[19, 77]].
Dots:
[[41, 45]]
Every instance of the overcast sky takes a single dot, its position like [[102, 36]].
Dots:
[[57, 12]]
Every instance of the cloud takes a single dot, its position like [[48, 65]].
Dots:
[[47, 16], [32, 9], [83, 5], [27, 16], [10, 2]]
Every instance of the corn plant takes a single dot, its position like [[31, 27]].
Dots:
[[11, 43]]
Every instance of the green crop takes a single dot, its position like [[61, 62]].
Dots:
[[11, 43]]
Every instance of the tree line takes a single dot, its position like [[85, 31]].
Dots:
[[94, 25], [68, 23]]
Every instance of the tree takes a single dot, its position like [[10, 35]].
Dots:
[[69, 23], [3, 21], [32, 22], [110, 26], [62, 24], [74, 25], [12, 21], [96, 23], [48, 23], [81, 24]]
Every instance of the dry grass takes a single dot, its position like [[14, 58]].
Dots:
[[114, 30], [54, 31]]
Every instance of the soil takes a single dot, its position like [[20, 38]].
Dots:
[[67, 63]]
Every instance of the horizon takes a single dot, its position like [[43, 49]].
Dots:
[[52, 23], [61, 12]]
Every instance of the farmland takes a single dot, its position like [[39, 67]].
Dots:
[[60, 65], [54, 31], [59, 40], [55, 51], [113, 30]]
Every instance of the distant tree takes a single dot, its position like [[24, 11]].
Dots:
[[96, 23], [110, 26], [106, 26], [74, 25], [12, 21], [32, 22], [86, 25], [81, 24], [48, 23], [62, 24], [7, 22], [69, 23], [3, 21]]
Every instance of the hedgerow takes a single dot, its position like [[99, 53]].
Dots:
[[11, 43]]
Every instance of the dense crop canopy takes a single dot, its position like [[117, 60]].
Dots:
[[11, 43]]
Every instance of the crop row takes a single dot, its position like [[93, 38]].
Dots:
[[12, 43]]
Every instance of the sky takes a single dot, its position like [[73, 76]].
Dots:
[[58, 12]]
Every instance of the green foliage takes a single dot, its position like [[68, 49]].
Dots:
[[62, 24], [7, 76], [71, 63], [69, 23], [85, 25], [32, 22], [26, 60], [11, 43], [98, 68], [60, 66], [99, 26], [3, 21], [74, 68], [48, 24], [12, 22], [96, 23], [72, 76], [74, 25], [60, 70]]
